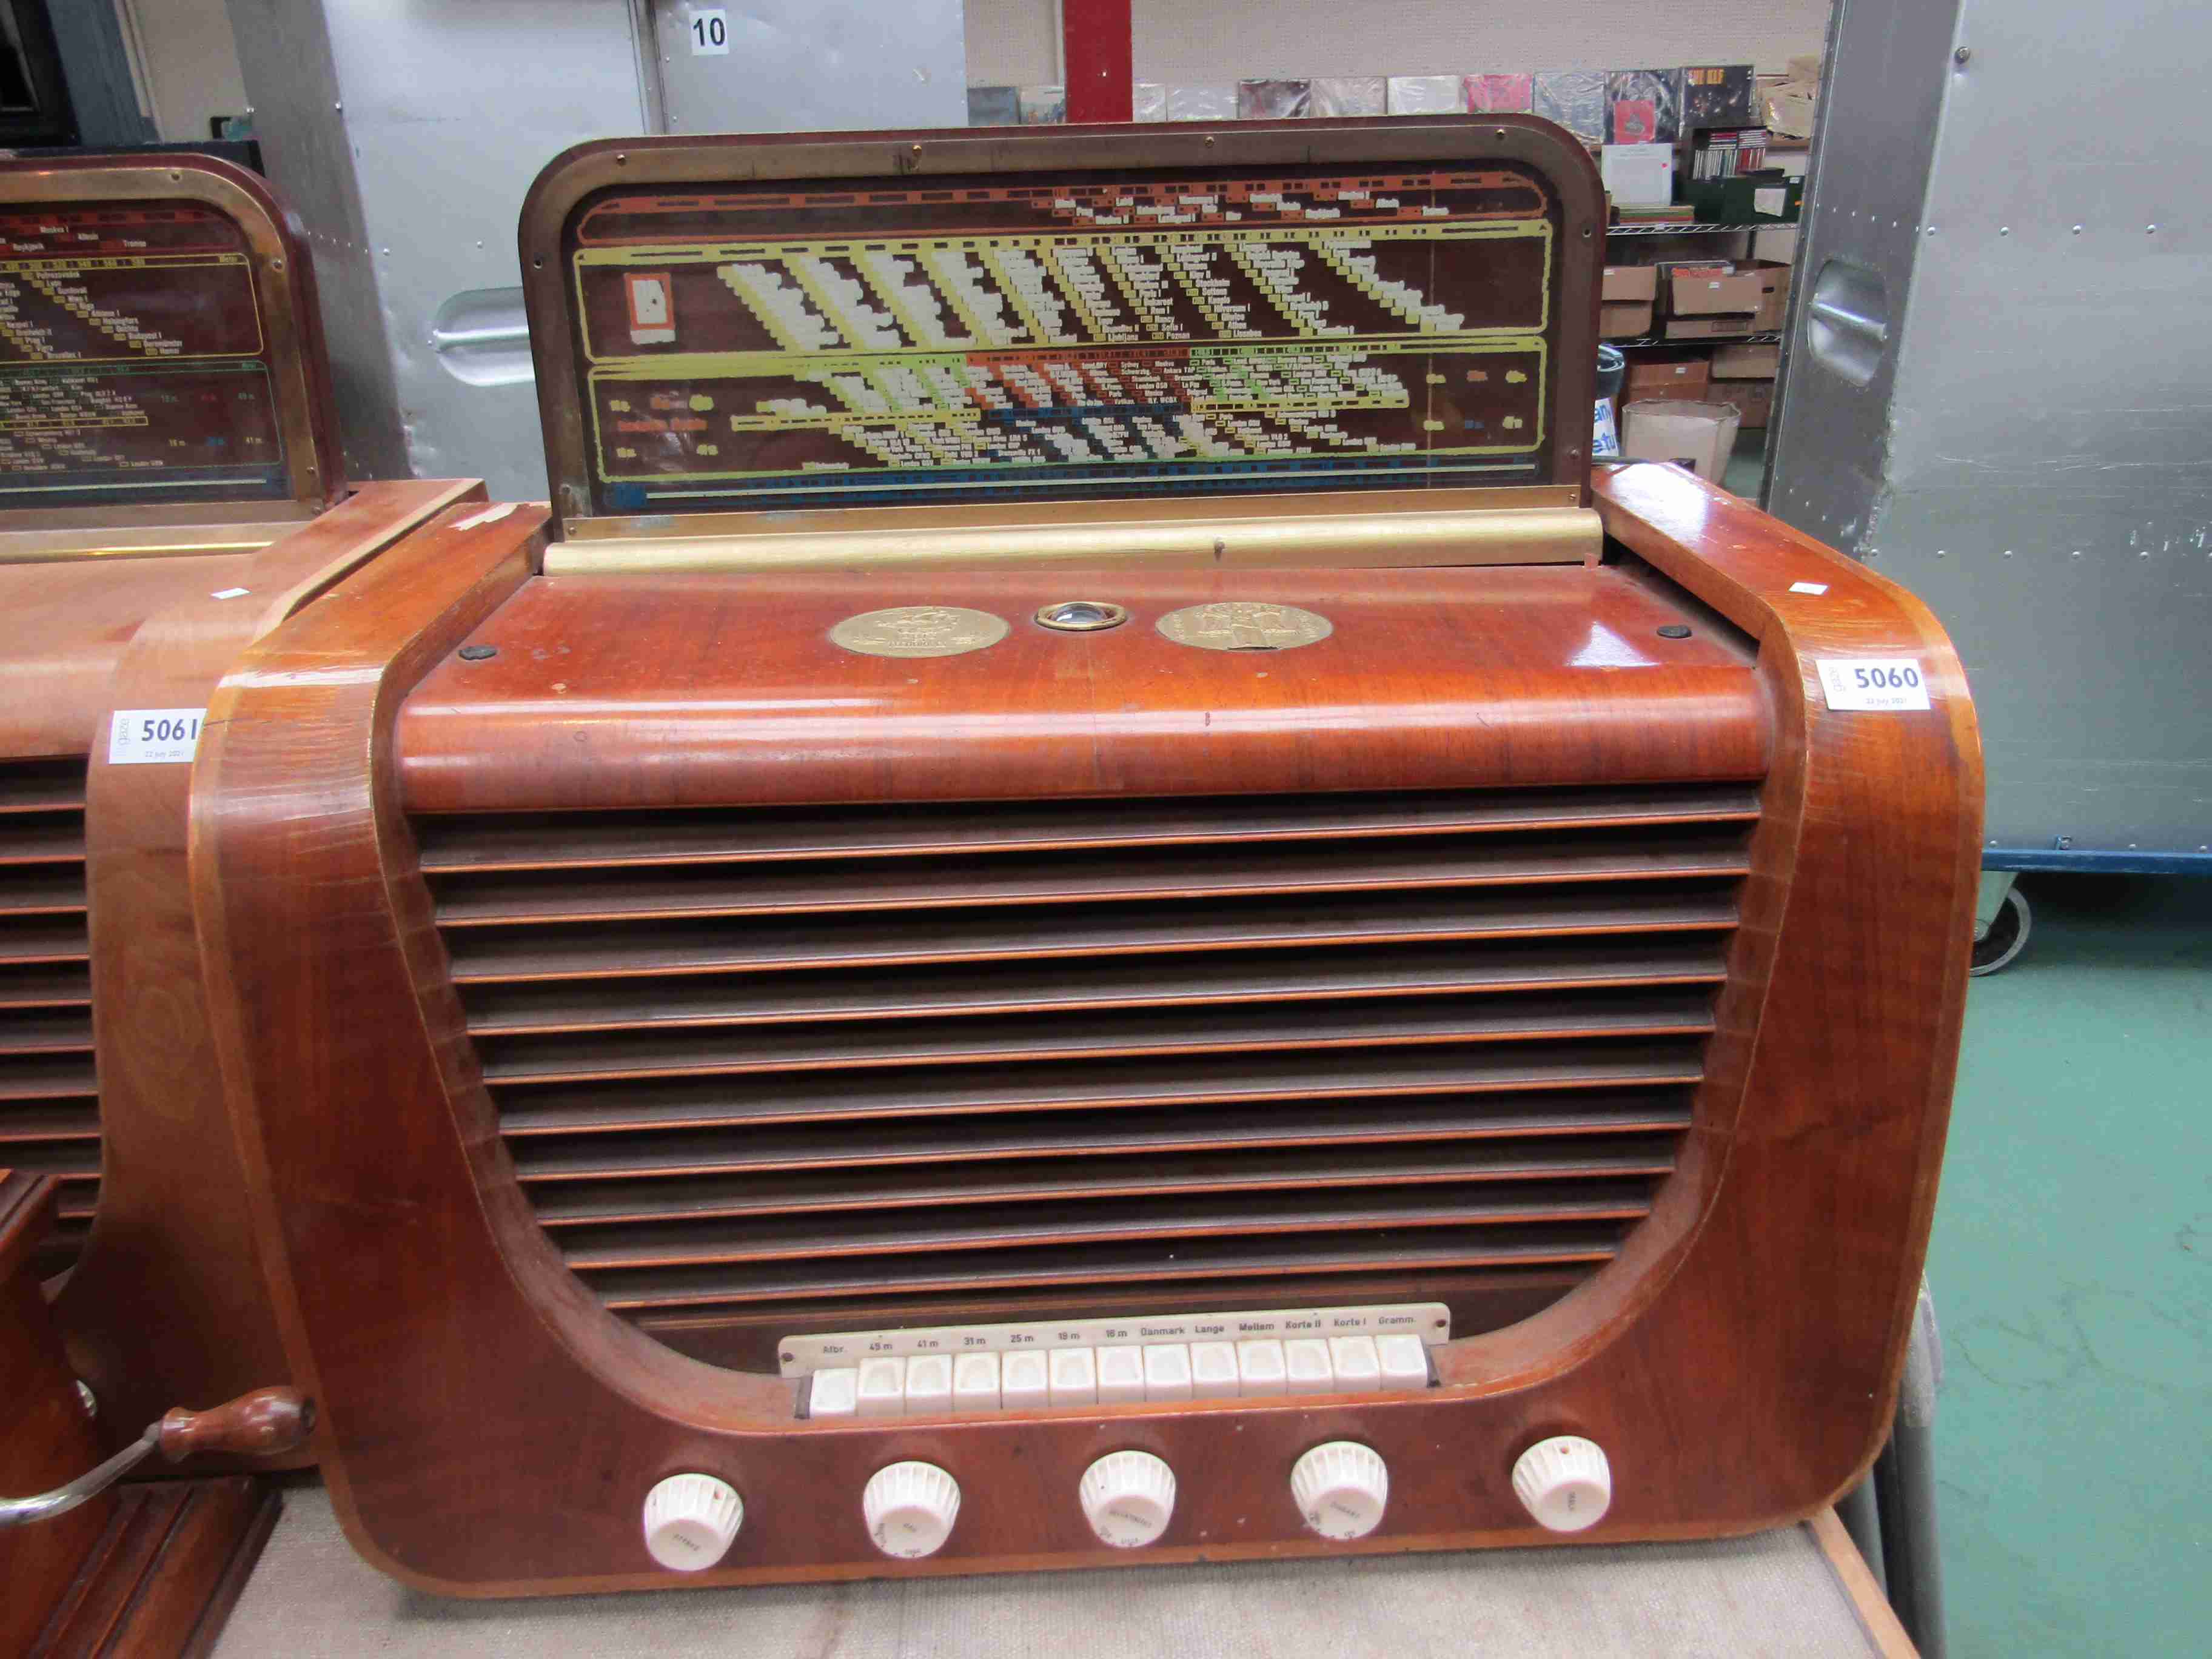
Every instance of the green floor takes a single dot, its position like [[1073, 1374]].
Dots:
[[2072, 1268]]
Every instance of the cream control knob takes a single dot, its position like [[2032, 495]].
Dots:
[[1564, 1482], [689, 1520], [1128, 1497], [1341, 1487], [910, 1508]]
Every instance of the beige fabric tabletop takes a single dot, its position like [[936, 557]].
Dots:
[[1773, 1594]]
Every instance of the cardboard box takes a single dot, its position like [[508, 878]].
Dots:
[[1746, 363], [1698, 436], [1630, 320], [1674, 379], [1629, 282], [1638, 175], [1775, 243], [1757, 293], [1696, 293], [1773, 299], [1732, 326], [1754, 400]]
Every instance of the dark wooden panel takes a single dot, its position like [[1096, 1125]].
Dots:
[[163, 1579], [45, 1438]]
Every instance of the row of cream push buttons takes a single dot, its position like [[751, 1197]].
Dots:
[[1341, 1489], [1118, 1375]]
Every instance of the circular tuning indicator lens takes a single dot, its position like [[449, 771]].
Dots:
[[1082, 615]]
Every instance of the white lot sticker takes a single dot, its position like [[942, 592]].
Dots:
[[710, 33], [1879, 684], [1808, 587], [148, 736]]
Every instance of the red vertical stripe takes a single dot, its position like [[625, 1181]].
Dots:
[[1095, 46]]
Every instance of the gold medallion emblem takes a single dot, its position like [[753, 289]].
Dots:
[[919, 631], [1245, 625]]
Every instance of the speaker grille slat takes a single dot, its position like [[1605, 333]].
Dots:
[[1084, 877], [614, 840], [49, 1098], [1040, 933], [1053, 1054]]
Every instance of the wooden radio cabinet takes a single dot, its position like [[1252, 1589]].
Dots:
[[1085, 901], [170, 489]]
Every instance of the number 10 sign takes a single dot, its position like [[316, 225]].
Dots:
[[710, 33]]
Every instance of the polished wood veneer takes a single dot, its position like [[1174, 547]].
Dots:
[[372, 806], [1515, 675]]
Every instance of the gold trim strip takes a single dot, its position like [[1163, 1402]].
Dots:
[[113, 541], [1362, 541]]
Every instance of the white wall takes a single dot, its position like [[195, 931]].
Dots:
[[1014, 42], [190, 64]]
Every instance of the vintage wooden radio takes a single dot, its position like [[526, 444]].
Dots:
[[168, 490], [1092, 899]]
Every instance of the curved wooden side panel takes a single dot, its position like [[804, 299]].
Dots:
[[168, 1301], [489, 1429]]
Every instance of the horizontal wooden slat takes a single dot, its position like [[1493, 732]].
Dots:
[[1241, 1031], [42, 890], [546, 1162], [66, 985], [1064, 1180], [996, 987], [1046, 933], [75, 1163], [29, 840], [43, 1033], [1440, 1249], [42, 785], [28, 1123], [39, 1078], [1163, 875], [813, 1237], [954, 1091], [614, 840], [44, 939]]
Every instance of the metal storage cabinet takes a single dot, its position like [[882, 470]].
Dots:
[[1999, 389]]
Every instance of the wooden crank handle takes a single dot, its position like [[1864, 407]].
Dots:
[[257, 1425]]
